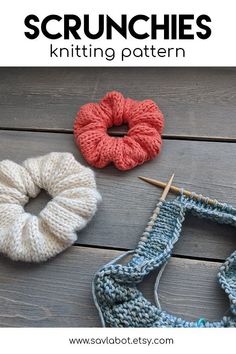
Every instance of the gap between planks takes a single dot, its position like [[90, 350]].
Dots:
[[120, 134], [120, 249]]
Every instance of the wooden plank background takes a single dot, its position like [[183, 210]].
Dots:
[[128, 201], [197, 102], [58, 293], [37, 109]]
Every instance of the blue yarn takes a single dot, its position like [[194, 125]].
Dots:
[[201, 322], [115, 292]]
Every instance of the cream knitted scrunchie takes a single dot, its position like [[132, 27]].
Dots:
[[26, 237]]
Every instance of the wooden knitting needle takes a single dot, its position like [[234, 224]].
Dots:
[[167, 188], [177, 190], [157, 209]]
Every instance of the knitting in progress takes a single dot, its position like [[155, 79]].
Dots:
[[26, 237], [142, 142], [115, 291]]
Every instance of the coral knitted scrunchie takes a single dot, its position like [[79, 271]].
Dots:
[[26, 237], [142, 142]]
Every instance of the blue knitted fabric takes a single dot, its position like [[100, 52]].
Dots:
[[116, 296]]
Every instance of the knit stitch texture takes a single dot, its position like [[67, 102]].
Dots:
[[116, 295], [74, 201], [142, 142]]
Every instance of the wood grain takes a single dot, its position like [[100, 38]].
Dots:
[[202, 167], [58, 293], [196, 102]]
